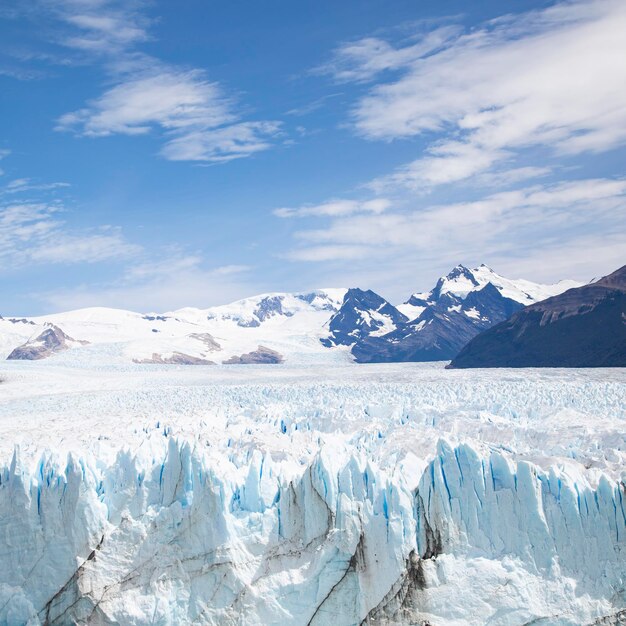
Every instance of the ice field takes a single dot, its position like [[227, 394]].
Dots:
[[315, 493]]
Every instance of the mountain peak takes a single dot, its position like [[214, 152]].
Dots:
[[49, 341], [580, 327], [363, 313], [459, 270]]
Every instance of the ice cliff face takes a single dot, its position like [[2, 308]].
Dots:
[[174, 539]]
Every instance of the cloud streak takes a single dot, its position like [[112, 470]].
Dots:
[[530, 221], [32, 233], [173, 282], [541, 207], [554, 78], [336, 208], [166, 98], [222, 144], [364, 59], [198, 120]]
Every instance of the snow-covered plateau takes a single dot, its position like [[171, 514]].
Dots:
[[328, 493]]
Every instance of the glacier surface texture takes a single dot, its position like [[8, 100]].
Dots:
[[404, 494]]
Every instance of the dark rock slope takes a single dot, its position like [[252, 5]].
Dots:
[[378, 332], [50, 341], [361, 314], [583, 327], [261, 355]]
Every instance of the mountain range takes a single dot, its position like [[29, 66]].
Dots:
[[583, 327], [318, 326], [431, 326]]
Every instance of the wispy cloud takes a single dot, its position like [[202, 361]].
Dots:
[[34, 233], [176, 264], [316, 104], [169, 266], [23, 185], [329, 253], [545, 208], [91, 27], [166, 98], [72, 32], [222, 144], [336, 208], [3, 154], [554, 78], [178, 280], [39, 234], [364, 59], [197, 118], [534, 221], [103, 27]]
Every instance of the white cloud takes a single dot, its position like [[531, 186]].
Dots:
[[169, 99], [33, 233], [329, 253], [222, 144], [168, 267], [103, 27], [572, 229], [102, 33], [198, 119], [195, 113], [364, 59], [174, 266], [174, 282], [335, 208], [506, 177], [21, 185], [90, 247], [229, 270], [554, 78], [582, 257], [500, 223], [310, 107], [17, 183]]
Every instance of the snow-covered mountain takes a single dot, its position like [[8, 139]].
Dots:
[[461, 281], [327, 325], [434, 326], [252, 312], [291, 325], [583, 327], [362, 314]]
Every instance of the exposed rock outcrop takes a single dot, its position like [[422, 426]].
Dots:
[[176, 358], [48, 342], [260, 355], [208, 341]]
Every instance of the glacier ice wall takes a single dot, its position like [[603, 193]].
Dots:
[[178, 538]]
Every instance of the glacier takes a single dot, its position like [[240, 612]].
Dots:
[[404, 494]]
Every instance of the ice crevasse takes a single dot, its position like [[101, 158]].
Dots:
[[179, 540]]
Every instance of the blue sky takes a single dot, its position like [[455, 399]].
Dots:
[[158, 154]]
